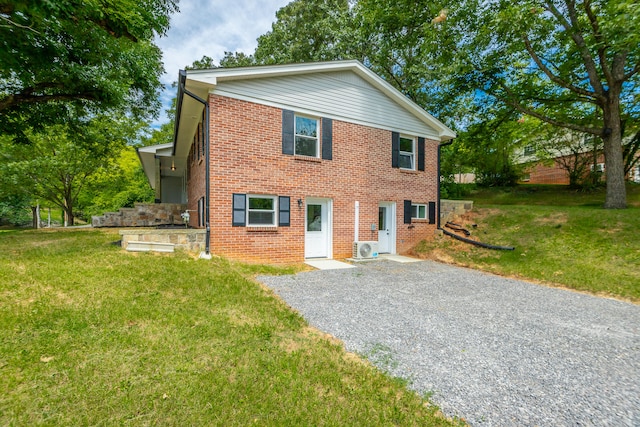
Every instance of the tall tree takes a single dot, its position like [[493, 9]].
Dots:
[[62, 60], [56, 163], [573, 64], [304, 31]]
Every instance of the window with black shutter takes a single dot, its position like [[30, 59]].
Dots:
[[239, 210], [287, 131], [327, 139], [284, 211], [407, 211]]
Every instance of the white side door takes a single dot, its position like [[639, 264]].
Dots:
[[317, 236], [386, 228]]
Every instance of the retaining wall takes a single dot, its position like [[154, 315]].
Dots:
[[142, 215]]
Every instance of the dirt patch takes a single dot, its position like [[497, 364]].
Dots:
[[558, 218]]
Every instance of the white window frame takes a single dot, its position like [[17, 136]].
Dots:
[[273, 211], [296, 135], [417, 207], [411, 155]]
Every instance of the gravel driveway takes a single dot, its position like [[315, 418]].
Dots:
[[495, 351]]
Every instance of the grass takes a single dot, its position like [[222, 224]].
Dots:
[[92, 335], [562, 238]]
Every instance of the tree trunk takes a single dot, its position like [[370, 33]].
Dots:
[[68, 213], [616, 197], [35, 216]]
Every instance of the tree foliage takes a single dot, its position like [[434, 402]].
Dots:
[[117, 184], [56, 163], [65, 60], [305, 31], [570, 63]]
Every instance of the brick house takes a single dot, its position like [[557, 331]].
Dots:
[[286, 162]]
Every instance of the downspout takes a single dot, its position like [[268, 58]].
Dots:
[[183, 90], [455, 236]]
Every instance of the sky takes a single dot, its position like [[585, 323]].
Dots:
[[211, 27]]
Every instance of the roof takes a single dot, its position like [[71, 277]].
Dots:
[[147, 156], [195, 85]]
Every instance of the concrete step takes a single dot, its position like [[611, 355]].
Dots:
[[135, 246]]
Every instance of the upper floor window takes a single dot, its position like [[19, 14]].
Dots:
[[406, 159], [306, 136], [529, 150], [261, 211]]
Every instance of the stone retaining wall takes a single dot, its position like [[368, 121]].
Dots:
[[449, 209], [192, 240], [142, 215]]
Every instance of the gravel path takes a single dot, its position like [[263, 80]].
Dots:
[[495, 351]]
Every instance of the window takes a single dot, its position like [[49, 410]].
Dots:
[[526, 177], [419, 211], [261, 211], [407, 150], [529, 150], [306, 136], [314, 217], [599, 167]]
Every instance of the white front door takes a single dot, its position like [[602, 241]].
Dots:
[[386, 227], [317, 236]]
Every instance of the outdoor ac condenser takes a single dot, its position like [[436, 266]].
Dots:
[[365, 250]]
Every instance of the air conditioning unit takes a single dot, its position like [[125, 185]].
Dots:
[[365, 250]]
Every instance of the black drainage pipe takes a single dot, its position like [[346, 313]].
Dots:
[[479, 244]]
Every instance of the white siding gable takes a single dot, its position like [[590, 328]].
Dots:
[[341, 95]]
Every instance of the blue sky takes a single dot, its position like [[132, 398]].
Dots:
[[210, 28]]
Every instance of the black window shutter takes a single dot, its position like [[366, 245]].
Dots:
[[395, 150], [284, 211], [287, 131], [327, 139], [420, 154], [239, 210], [432, 212], [407, 211]]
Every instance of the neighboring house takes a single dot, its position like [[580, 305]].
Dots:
[[286, 162], [554, 173], [554, 169]]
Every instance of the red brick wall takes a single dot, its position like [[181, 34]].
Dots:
[[553, 173], [196, 169], [547, 174], [246, 157]]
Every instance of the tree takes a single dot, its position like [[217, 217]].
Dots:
[[65, 60], [56, 163], [488, 148], [573, 64], [118, 184], [304, 31]]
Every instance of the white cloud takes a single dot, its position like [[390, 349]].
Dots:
[[210, 28]]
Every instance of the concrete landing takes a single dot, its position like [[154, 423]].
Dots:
[[398, 258], [327, 264]]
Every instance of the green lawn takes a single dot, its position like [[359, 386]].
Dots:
[[93, 335], [562, 237]]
